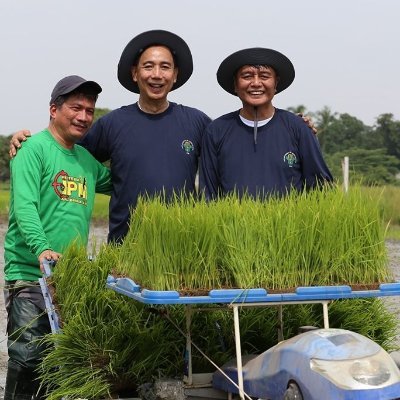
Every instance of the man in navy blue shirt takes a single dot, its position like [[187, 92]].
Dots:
[[259, 149], [153, 144]]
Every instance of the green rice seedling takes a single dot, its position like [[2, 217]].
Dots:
[[355, 251], [171, 247], [348, 237], [323, 237], [109, 343]]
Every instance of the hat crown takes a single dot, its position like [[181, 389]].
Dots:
[[70, 83], [255, 56], [178, 47]]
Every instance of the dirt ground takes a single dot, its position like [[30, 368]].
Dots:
[[98, 235]]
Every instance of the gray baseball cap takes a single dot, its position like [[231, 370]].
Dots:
[[70, 83]]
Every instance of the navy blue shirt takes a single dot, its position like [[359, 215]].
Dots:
[[287, 155], [149, 153]]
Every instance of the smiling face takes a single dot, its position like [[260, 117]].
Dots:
[[70, 121], [256, 86], [155, 74]]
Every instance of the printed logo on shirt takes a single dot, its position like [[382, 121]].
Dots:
[[69, 188], [290, 159], [187, 146]]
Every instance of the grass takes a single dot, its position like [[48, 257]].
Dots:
[[100, 208], [4, 201]]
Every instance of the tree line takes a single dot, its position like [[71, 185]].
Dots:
[[373, 151]]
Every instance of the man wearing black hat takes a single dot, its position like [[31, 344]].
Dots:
[[53, 185], [153, 144], [259, 150]]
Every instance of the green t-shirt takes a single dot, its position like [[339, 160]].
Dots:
[[51, 201]]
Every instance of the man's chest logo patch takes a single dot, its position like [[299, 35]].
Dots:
[[187, 146], [69, 188], [290, 159]]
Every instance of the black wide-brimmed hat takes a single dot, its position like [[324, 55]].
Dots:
[[178, 47], [255, 56]]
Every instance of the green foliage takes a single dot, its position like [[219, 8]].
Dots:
[[300, 109], [100, 112], [321, 237], [4, 158], [342, 133], [100, 208], [389, 130], [324, 118], [108, 342], [389, 202], [371, 167], [190, 252], [373, 150]]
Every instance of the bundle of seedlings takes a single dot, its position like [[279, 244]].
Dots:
[[323, 237], [107, 341]]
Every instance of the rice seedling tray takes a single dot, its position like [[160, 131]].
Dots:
[[128, 287]]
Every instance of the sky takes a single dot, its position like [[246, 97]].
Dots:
[[346, 53]]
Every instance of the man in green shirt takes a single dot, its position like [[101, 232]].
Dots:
[[53, 185]]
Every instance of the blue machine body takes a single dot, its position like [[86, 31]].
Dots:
[[341, 354]]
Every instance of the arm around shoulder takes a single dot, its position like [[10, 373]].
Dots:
[[16, 141]]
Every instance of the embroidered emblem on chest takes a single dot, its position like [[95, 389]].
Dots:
[[187, 146], [290, 159]]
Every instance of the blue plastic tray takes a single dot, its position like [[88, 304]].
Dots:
[[129, 288]]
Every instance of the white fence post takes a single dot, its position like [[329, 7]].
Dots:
[[345, 170]]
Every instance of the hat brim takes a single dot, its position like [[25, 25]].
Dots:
[[94, 86], [178, 47], [255, 56]]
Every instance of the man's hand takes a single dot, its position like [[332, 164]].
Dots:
[[309, 122], [16, 140], [48, 255]]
